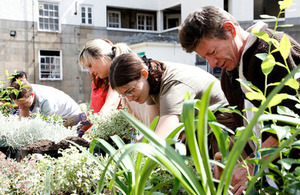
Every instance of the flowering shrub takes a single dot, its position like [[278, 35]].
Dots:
[[73, 173], [112, 123], [20, 133], [20, 178]]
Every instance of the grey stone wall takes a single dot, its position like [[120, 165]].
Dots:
[[22, 52]]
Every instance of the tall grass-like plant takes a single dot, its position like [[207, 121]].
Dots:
[[133, 168], [160, 152]]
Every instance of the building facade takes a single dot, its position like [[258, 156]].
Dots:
[[44, 37]]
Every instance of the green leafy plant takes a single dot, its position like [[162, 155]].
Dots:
[[112, 123], [285, 124], [160, 152], [73, 172]]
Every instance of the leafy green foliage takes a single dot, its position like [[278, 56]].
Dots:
[[112, 123]]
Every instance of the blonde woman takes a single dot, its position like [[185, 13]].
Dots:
[[97, 56]]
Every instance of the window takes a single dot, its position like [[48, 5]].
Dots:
[[226, 5], [86, 15], [202, 63], [173, 20], [145, 22], [114, 19], [48, 17], [269, 7], [50, 65]]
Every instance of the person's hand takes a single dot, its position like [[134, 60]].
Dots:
[[239, 178], [69, 121], [75, 119], [80, 133], [216, 169]]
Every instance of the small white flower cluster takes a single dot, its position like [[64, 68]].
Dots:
[[20, 133], [72, 173], [112, 123]]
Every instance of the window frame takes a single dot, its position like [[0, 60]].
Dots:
[[282, 16], [41, 7], [172, 16], [50, 64], [201, 63], [119, 19], [145, 21], [86, 7]]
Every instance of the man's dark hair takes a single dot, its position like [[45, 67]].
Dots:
[[17, 75], [24, 90], [206, 22]]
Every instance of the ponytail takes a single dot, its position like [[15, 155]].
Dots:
[[155, 70]]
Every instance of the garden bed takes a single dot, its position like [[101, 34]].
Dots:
[[50, 148]]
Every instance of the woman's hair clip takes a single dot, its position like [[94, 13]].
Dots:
[[147, 61]]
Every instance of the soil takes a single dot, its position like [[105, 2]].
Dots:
[[50, 148]]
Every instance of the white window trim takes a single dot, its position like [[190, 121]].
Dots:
[[141, 14], [60, 61], [59, 20], [116, 12], [86, 19]]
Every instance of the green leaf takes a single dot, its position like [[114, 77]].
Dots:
[[262, 35], [267, 151], [286, 111], [265, 16], [282, 132], [254, 109], [277, 99], [187, 96], [268, 64], [221, 126], [249, 86], [255, 96], [292, 83], [281, 118], [231, 109], [288, 162], [285, 25], [261, 56], [285, 4], [293, 188], [297, 171], [285, 46], [275, 43], [6, 72], [296, 143]]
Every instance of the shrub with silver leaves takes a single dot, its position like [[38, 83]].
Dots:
[[20, 133]]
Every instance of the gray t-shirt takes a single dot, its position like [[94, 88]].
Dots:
[[180, 78], [53, 101]]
